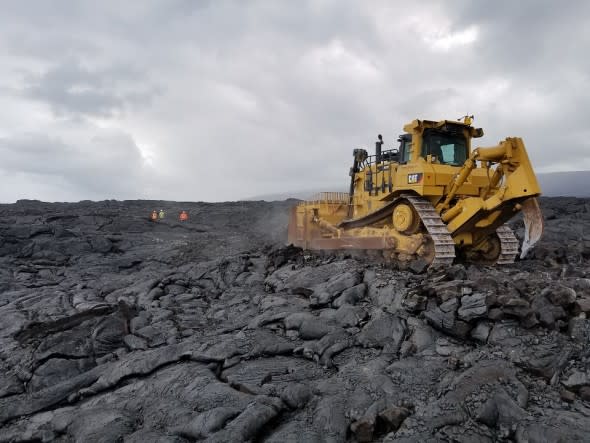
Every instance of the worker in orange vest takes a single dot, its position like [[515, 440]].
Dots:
[[183, 216], [154, 216]]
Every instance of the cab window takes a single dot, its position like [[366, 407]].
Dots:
[[452, 154], [405, 147], [446, 148], [407, 151]]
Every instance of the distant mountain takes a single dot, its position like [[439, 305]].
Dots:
[[553, 184]]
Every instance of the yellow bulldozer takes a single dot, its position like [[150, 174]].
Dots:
[[431, 200]]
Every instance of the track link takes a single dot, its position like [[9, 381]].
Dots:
[[509, 245], [444, 245]]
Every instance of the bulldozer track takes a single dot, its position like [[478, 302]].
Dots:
[[509, 245], [444, 245]]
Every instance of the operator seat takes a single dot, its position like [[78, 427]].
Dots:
[[436, 152]]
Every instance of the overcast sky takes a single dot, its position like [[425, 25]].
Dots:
[[223, 100]]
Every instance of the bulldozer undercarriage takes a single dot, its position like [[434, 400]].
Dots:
[[410, 229], [439, 247]]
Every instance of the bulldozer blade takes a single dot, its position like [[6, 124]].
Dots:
[[533, 225]]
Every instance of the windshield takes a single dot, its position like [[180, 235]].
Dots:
[[449, 149]]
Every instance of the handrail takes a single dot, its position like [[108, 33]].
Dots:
[[330, 197], [386, 156]]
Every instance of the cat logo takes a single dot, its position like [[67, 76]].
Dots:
[[414, 178]]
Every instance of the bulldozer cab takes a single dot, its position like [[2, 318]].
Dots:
[[446, 142]]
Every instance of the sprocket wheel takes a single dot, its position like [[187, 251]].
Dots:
[[487, 253], [405, 219]]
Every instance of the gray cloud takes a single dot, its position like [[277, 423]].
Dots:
[[226, 99], [72, 89], [107, 164]]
